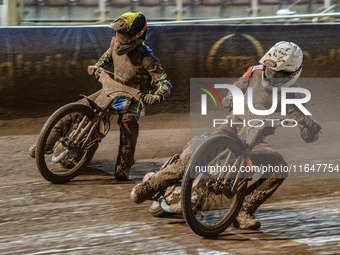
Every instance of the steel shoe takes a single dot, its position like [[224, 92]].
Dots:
[[31, 151]]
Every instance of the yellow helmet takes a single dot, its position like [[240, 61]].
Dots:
[[131, 22]]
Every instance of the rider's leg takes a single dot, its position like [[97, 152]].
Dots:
[[129, 114], [172, 173], [161, 179], [61, 127], [261, 190], [129, 128]]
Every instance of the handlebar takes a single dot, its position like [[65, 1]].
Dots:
[[100, 69], [113, 88], [118, 88]]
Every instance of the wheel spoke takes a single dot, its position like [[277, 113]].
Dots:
[[59, 159]]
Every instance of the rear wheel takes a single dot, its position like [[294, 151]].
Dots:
[[59, 158], [208, 205]]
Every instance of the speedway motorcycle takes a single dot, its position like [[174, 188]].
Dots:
[[71, 135], [213, 188]]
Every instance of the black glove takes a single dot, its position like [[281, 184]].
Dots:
[[152, 99], [309, 129], [309, 123]]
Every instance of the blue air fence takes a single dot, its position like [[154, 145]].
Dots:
[[42, 68]]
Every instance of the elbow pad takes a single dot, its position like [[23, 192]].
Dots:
[[164, 90]]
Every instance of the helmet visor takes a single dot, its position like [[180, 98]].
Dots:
[[118, 25]]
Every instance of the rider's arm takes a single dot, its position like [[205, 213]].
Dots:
[[309, 128], [160, 80], [242, 83]]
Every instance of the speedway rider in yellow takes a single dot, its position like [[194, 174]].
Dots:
[[133, 64]]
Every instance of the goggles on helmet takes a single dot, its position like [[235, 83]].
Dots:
[[133, 23]]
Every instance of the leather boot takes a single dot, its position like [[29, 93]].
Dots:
[[122, 173], [142, 192], [246, 220]]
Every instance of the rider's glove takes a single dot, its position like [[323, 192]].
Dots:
[[227, 103], [93, 70], [308, 122], [309, 129], [152, 99]]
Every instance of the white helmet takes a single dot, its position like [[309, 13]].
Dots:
[[284, 56]]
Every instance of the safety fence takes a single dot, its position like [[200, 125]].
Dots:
[[42, 68]]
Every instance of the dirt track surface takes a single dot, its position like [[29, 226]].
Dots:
[[93, 214]]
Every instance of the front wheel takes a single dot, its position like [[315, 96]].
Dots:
[[63, 147], [206, 205]]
